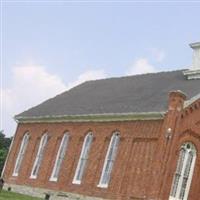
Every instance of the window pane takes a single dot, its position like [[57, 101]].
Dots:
[[83, 158], [39, 156], [57, 169], [183, 175], [109, 161], [81, 169], [186, 175], [175, 185], [87, 147], [180, 161], [106, 175], [21, 154], [178, 172], [59, 158]]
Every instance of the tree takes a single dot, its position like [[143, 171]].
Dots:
[[4, 147]]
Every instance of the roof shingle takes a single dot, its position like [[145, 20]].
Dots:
[[139, 93]]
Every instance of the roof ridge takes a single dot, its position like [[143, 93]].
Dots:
[[134, 75]]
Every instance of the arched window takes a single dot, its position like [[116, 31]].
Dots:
[[39, 156], [109, 161], [20, 155], [59, 158], [83, 159], [184, 172]]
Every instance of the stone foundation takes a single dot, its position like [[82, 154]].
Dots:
[[41, 193]]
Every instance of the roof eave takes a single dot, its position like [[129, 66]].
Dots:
[[107, 117]]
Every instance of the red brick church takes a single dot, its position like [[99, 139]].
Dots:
[[128, 138]]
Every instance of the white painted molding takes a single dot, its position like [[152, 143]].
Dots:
[[192, 74], [105, 117], [194, 71], [102, 185], [196, 56], [191, 101]]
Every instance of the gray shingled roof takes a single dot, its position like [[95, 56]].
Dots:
[[139, 93]]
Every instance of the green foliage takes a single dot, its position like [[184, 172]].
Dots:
[[4, 195], [4, 141], [3, 154], [4, 147]]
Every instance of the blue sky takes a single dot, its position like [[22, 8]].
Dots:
[[49, 47]]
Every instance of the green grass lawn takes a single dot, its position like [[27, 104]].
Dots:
[[5, 195]]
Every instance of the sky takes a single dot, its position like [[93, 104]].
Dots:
[[48, 47]]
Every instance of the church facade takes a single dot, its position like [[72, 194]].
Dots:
[[126, 138]]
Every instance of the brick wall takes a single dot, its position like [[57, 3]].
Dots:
[[187, 130], [146, 158]]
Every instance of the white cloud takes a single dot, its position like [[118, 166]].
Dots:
[[158, 54], [31, 85], [141, 66], [86, 76]]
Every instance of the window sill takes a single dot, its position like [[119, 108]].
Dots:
[[33, 177], [53, 179], [76, 182], [14, 174], [102, 186]]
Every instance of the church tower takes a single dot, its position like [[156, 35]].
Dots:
[[194, 71]]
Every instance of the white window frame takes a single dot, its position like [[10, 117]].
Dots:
[[21, 154], [59, 158], [189, 150], [39, 156], [83, 157], [115, 136]]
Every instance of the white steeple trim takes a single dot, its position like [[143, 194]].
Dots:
[[194, 71], [191, 101], [196, 56]]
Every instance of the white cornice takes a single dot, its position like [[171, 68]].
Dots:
[[191, 101], [107, 117], [192, 74], [195, 45]]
